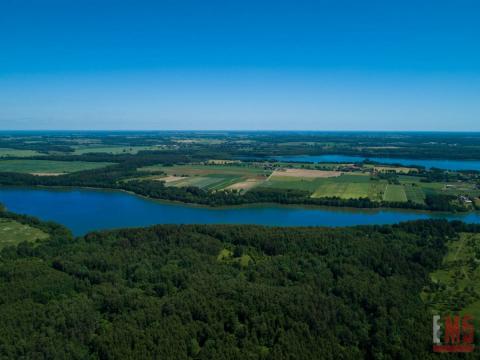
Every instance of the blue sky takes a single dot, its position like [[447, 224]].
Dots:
[[189, 64]]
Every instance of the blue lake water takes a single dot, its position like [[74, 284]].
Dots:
[[84, 210], [441, 164]]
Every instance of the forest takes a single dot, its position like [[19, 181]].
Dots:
[[223, 292], [420, 145]]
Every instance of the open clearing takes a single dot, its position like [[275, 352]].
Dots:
[[12, 233], [114, 149], [322, 182], [414, 193], [305, 173], [211, 177], [49, 167], [351, 187], [244, 185], [199, 169], [5, 152], [395, 193], [458, 280], [171, 178]]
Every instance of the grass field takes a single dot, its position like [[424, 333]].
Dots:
[[279, 182], [45, 167], [351, 187], [206, 182], [4, 152], [345, 184], [414, 193], [202, 170], [210, 177], [395, 193], [114, 149], [13, 233], [457, 283]]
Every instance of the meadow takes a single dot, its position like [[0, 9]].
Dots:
[[320, 181], [6, 152], [13, 233], [80, 150], [48, 167], [457, 282], [209, 176]]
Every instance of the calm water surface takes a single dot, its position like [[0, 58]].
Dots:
[[441, 164], [84, 210]]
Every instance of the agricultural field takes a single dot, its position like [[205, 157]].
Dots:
[[414, 193], [351, 187], [280, 182], [316, 179], [305, 173], [13, 232], [48, 167], [457, 282], [395, 193], [5, 152], [210, 177], [114, 149]]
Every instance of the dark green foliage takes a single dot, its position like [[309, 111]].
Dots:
[[164, 292]]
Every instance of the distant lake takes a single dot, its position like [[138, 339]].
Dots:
[[441, 164], [84, 210]]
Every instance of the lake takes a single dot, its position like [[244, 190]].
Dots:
[[441, 164], [84, 210]]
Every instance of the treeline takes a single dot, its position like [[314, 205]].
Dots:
[[224, 292]]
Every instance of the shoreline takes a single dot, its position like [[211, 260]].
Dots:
[[248, 205]]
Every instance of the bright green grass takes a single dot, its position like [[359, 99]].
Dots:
[[226, 255], [458, 280], [48, 166], [288, 182], [4, 152], [12, 233], [351, 187], [395, 193], [114, 149]]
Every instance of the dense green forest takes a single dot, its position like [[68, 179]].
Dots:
[[222, 292]]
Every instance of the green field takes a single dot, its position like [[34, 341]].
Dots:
[[286, 182], [395, 193], [5, 152], [207, 182], [202, 170], [414, 193], [113, 149], [48, 166], [208, 177], [12, 233], [457, 282], [350, 187]]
